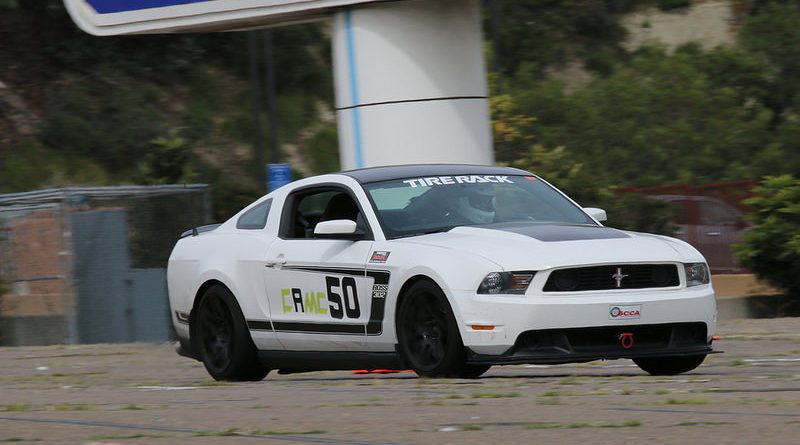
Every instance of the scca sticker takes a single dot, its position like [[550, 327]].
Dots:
[[631, 312], [451, 180], [379, 256]]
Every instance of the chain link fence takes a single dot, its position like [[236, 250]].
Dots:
[[88, 265]]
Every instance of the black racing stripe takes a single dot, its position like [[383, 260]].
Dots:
[[555, 232], [409, 101], [380, 289], [318, 328], [330, 270], [259, 325]]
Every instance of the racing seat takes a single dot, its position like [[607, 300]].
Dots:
[[341, 206]]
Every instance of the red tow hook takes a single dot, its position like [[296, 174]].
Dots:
[[626, 340]]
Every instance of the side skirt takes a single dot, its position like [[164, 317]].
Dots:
[[303, 361]]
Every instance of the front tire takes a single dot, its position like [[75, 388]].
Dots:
[[669, 365], [428, 336], [223, 340]]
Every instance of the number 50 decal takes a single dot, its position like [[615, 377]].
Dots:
[[347, 302]]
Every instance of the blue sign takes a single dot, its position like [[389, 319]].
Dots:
[[112, 6], [278, 175]]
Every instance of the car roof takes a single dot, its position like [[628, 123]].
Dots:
[[388, 173]]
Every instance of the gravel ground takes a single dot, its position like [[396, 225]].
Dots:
[[146, 394]]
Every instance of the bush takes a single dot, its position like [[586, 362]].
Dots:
[[772, 248]]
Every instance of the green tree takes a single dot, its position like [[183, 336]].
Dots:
[[167, 162], [772, 248], [772, 32], [659, 118], [543, 33]]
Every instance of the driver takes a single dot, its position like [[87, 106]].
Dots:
[[475, 204]]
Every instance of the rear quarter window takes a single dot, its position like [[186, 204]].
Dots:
[[255, 218]]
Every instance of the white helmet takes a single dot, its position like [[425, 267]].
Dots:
[[476, 204]]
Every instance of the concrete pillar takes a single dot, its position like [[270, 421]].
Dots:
[[410, 82]]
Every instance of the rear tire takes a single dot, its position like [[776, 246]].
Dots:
[[669, 365], [428, 336], [223, 340]]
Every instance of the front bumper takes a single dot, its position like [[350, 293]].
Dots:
[[493, 325], [553, 346]]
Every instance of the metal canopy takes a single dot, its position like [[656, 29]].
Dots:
[[113, 17]]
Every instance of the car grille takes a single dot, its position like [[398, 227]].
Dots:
[[612, 277]]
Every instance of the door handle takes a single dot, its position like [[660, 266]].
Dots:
[[713, 233], [277, 262]]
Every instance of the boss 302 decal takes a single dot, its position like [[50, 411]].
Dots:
[[342, 303]]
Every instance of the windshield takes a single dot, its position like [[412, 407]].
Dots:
[[415, 206]]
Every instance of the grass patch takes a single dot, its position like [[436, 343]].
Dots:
[[550, 393], [571, 380], [542, 425], [471, 428], [625, 424], [703, 423], [548, 401], [495, 395], [662, 392], [582, 424], [68, 407], [18, 408], [126, 436], [696, 401], [222, 433], [737, 363], [133, 408], [285, 433]]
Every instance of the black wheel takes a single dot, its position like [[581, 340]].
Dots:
[[223, 340], [669, 365], [428, 336]]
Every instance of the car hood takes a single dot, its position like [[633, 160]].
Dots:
[[535, 246]]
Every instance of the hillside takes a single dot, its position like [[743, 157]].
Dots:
[[151, 109]]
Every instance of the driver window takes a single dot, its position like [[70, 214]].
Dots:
[[311, 207]]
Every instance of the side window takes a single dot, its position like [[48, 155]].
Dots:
[[255, 218], [712, 213], [307, 208]]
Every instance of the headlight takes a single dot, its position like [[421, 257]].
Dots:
[[506, 283], [697, 274]]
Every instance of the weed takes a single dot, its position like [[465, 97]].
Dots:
[[18, 408], [674, 401], [223, 433], [285, 433], [125, 436], [542, 425], [495, 395]]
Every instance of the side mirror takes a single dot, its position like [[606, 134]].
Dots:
[[598, 214], [338, 229]]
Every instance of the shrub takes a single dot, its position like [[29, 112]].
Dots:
[[772, 248]]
